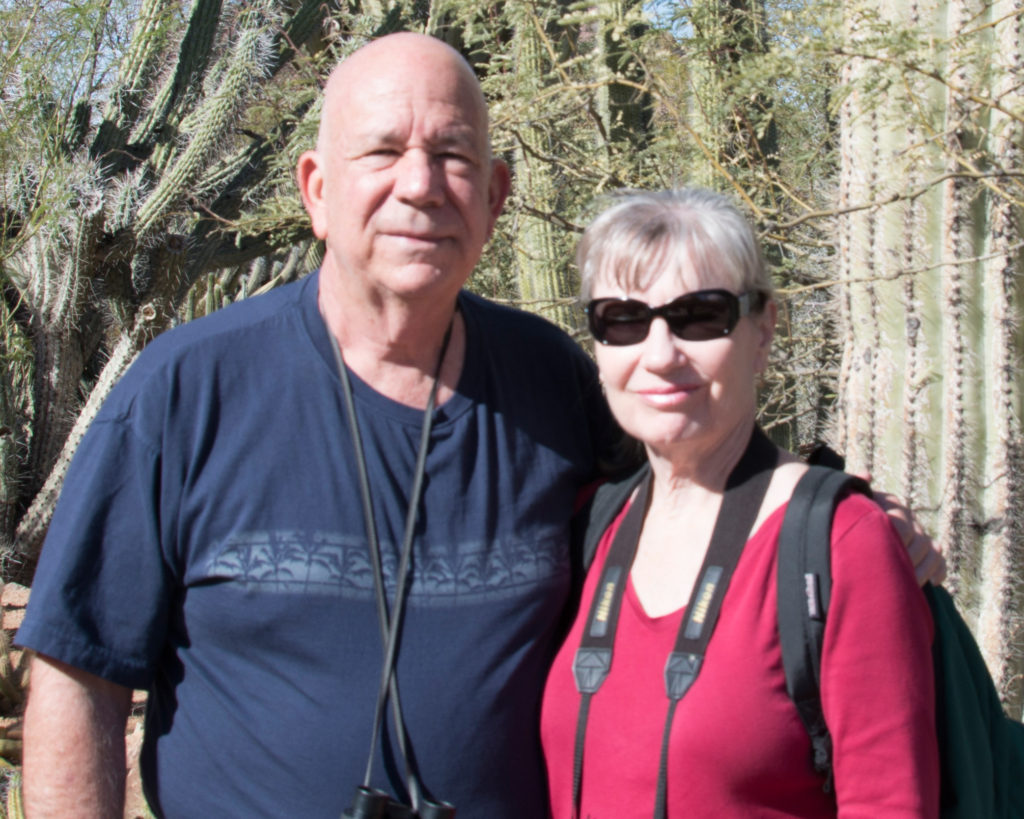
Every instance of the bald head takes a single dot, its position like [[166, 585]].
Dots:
[[403, 60], [402, 185]]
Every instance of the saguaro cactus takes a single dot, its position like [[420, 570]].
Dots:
[[930, 235], [541, 249]]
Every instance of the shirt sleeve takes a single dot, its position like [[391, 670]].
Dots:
[[877, 675], [100, 593]]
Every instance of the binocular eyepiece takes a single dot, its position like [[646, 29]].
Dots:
[[369, 803]]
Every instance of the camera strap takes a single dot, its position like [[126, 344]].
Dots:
[[390, 625], [744, 492]]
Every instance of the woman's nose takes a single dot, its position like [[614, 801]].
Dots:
[[661, 348]]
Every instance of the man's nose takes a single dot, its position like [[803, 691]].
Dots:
[[420, 178]]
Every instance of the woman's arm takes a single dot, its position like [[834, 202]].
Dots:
[[877, 677]]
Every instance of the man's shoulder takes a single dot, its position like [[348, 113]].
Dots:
[[233, 338], [220, 330], [251, 315]]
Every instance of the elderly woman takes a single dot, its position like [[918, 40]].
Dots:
[[682, 312]]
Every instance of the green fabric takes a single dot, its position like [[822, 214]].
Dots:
[[982, 748]]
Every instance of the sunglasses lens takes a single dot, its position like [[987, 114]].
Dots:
[[619, 322], [703, 315], [699, 316]]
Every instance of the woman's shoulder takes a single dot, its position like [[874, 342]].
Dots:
[[853, 508], [788, 472], [786, 476], [865, 544], [858, 515]]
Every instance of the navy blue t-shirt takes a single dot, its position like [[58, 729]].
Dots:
[[209, 545]]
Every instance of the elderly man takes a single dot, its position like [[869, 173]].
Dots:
[[214, 542], [211, 544]]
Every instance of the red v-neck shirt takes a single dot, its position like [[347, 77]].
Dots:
[[738, 748]]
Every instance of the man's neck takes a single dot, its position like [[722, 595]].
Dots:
[[394, 345]]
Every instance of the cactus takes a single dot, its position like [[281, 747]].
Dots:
[[624, 104], [117, 221], [568, 113], [13, 807], [930, 394], [15, 356], [545, 285], [208, 124]]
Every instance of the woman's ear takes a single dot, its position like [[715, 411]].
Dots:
[[764, 322]]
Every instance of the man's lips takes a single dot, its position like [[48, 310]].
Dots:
[[414, 235]]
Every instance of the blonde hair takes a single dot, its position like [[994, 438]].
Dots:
[[643, 235]]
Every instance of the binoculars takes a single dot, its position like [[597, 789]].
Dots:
[[373, 804]]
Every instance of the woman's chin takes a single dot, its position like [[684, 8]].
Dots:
[[661, 436]]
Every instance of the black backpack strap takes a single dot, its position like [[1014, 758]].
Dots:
[[804, 592], [594, 517], [590, 521]]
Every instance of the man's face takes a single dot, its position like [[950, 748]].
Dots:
[[408, 194]]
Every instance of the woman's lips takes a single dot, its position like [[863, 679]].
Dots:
[[668, 396]]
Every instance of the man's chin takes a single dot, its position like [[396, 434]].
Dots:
[[425, 277]]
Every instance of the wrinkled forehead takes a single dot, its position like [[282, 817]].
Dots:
[[396, 119], [429, 81]]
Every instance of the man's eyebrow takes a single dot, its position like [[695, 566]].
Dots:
[[459, 136], [377, 135]]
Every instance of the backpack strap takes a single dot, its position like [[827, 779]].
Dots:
[[804, 592], [594, 517]]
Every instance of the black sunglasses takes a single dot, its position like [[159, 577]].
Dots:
[[698, 316]]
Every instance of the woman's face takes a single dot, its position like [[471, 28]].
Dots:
[[664, 390]]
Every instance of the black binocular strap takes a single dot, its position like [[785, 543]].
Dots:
[[368, 801], [744, 492]]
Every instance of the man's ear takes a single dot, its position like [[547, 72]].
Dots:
[[497, 191], [310, 177]]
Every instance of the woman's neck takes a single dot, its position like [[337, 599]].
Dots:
[[697, 466]]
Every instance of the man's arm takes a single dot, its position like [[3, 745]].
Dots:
[[74, 759], [929, 564]]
